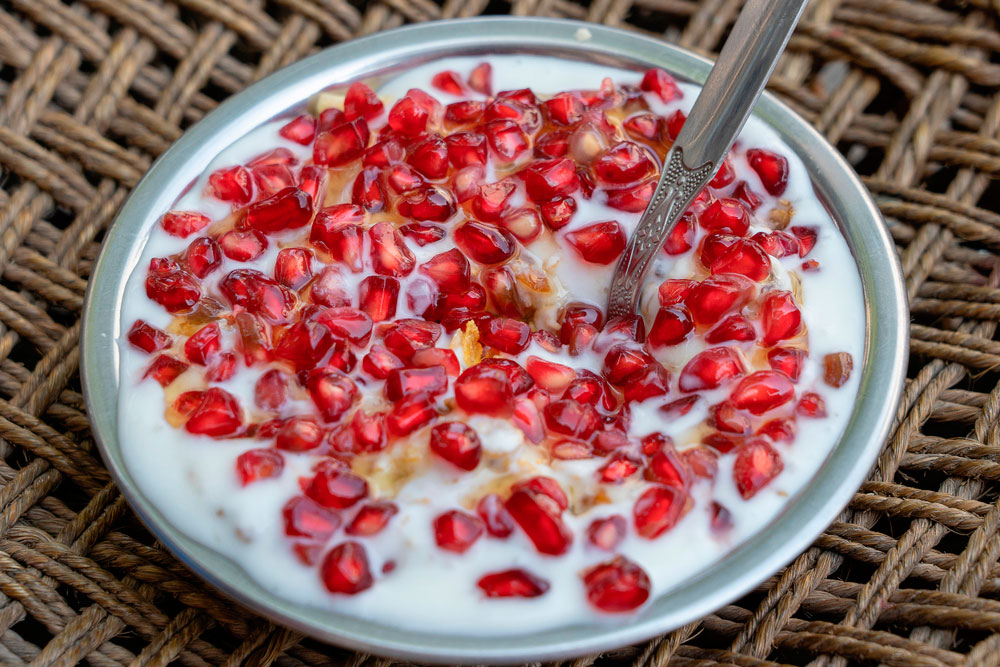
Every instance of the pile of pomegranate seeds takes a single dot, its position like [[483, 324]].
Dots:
[[379, 288]]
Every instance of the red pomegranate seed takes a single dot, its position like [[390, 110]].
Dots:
[[780, 317], [714, 246], [806, 237], [681, 237], [545, 486], [409, 414], [217, 415], [332, 392], [147, 337], [661, 84], [165, 369], [756, 464], [607, 533], [701, 461], [379, 362], [569, 449], [725, 215], [271, 390], [675, 291], [777, 243], [549, 375], [722, 442], [527, 417], [456, 443], [713, 297], [538, 516], [572, 418], [743, 193], [389, 253], [666, 467], [347, 323], [491, 202], [383, 153], [300, 129], [552, 144], [408, 117], [745, 258], [203, 344], [516, 108], [582, 339], [643, 126], [255, 339], [341, 144], [762, 391], [674, 124], [171, 287], [337, 489], [272, 178], [362, 102], [501, 287], [293, 267], [450, 270], [481, 79], [423, 233], [337, 230], [367, 191], [657, 510], [618, 467], [506, 139], [650, 382], [622, 164], [231, 184], [515, 583], [203, 256], [494, 516], [457, 531], [524, 223], [671, 326], [771, 168], [464, 149], [377, 297], [811, 405], [837, 368], [299, 434], [304, 517], [486, 390], [484, 243], [585, 389], [710, 368], [506, 335], [257, 464], [183, 223], [787, 360], [632, 199], [346, 570], [243, 246], [564, 109], [405, 382], [330, 289], [577, 313], [464, 112], [727, 418], [547, 179], [449, 81], [724, 176], [624, 361], [409, 335], [617, 586], [368, 431], [600, 243], [427, 203], [403, 178], [429, 157], [258, 294], [280, 156], [187, 402], [733, 327], [558, 212], [778, 430]]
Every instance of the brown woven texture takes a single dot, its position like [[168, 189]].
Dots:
[[92, 91]]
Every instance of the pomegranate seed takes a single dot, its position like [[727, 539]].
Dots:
[[512, 583], [622, 362], [787, 360], [183, 223], [549, 375], [552, 144], [293, 267], [710, 368], [674, 124], [811, 405], [484, 243], [577, 313], [545, 486], [491, 202], [495, 518], [165, 369], [389, 253], [368, 431], [743, 193], [148, 338], [726, 417], [430, 157], [702, 461], [243, 246], [546, 340], [231, 184], [304, 517], [186, 403], [203, 256], [777, 243], [538, 516], [423, 233], [367, 190], [527, 417], [362, 102], [778, 430], [618, 467], [681, 237], [456, 443], [618, 585], [666, 467], [810, 265], [450, 270], [299, 434], [481, 79], [607, 533], [409, 414], [457, 531], [571, 418], [745, 258], [408, 117], [524, 223], [675, 291], [255, 339], [379, 362], [464, 149], [383, 153], [272, 178], [722, 442], [407, 336], [837, 368], [171, 287], [280, 156], [506, 139], [633, 199], [780, 317], [217, 415], [657, 510], [722, 519], [486, 390], [257, 464], [506, 335], [643, 126], [337, 231], [346, 570], [332, 392], [271, 390], [258, 294], [516, 109], [725, 215], [622, 164], [763, 391], [806, 237], [371, 518], [427, 203], [724, 176], [661, 84], [300, 129], [347, 323], [756, 464], [337, 489], [600, 243], [330, 289], [671, 326], [464, 112], [713, 246], [341, 144], [545, 180], [732, 327], [713, 297], [450, 82], [377, 297], [569, 449], [203, 344], [771, 168], [558, 212], [405, 382], [650, 382]]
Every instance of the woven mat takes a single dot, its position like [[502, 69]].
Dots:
[[92, 91]]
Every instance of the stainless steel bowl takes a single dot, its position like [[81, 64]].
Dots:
[[797, 526]]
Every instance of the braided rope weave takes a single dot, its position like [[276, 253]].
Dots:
[[91, 91]]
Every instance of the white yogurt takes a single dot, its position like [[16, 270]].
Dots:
[[192, 480]]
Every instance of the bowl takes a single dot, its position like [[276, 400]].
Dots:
[[803, 519]]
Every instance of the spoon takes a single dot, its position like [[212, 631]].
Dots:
[[733, 86]]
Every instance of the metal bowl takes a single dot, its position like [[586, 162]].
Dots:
[[805, 516]]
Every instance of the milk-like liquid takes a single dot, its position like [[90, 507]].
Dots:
[[192, 480]]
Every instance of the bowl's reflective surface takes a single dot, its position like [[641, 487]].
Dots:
[[806, 516]]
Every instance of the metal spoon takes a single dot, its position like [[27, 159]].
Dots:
[[733, 86]]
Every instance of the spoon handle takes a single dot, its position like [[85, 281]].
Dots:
[[733, 86]]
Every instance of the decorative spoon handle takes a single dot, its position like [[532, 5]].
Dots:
[[733, 86]]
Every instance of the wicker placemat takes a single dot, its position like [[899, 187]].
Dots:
[[92, 91]]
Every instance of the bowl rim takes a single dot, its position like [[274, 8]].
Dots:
[[802, 520]]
